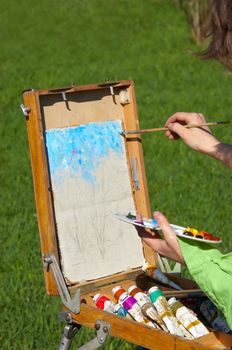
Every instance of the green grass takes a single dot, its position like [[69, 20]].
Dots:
[[54, 43]]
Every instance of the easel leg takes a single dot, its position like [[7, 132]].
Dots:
[[69, 333]]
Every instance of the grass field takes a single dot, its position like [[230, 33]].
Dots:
[[50, 43]]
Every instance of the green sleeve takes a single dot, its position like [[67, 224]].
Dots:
[[212, 271]]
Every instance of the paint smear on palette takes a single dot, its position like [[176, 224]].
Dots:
[[90, 182], [79, 150]]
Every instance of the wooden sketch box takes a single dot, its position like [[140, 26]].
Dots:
[[85, 171]]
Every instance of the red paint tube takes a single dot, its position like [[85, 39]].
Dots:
[[103, 303]]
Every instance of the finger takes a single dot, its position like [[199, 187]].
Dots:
[[202, 117], [168, 133], [169, 236], [139, 218], [178, 130], [141, 230], [143, 233], [163, 223], [183, 132], [178, 117], [185, 117], [171, 136], [204, 121]]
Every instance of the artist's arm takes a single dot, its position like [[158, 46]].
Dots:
[[224, 154], [199, 139], [169, 246]]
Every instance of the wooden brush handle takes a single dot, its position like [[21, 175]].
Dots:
[[188, 126]]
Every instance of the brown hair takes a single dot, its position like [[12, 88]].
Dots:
[[220, 46]]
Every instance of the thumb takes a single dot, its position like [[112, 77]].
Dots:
[[163, 223], [179, 129], [170, 237]]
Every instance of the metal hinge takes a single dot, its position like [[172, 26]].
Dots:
[[102, 328]]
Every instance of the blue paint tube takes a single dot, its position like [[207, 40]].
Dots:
[[120, 311], [213, 316]]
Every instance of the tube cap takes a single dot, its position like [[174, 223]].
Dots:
[[131, 288], [96, 296], [171, 301], [154, 293], [123, 296], [115, 289]]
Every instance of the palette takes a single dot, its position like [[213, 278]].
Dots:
[[152, 224]]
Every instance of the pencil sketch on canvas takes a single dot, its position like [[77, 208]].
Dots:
[[90, 181]]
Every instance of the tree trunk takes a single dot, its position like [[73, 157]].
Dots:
[[198, 13]]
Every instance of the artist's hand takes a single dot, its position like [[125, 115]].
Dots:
[[169, 246], [199, 139]]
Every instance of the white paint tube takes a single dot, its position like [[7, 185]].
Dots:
[[159, 301], [187, 318]]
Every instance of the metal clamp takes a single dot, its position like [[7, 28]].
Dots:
[[63, 93], [112, 90], [135, 173], [65, 99], [25, 110], [73, 304]]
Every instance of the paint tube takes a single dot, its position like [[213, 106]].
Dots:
[[117, 291], [103, 303], [211, 313], [187, 318], [131, 305], [146, 306], [159, 276], [121, 311], [159, 301]]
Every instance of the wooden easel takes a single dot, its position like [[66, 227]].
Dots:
[[79, 105]]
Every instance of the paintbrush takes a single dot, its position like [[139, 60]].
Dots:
[[188, 126], [189, 293]]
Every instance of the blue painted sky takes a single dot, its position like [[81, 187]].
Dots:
[[79, 150]]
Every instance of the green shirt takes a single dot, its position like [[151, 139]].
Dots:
[[212, 271]]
